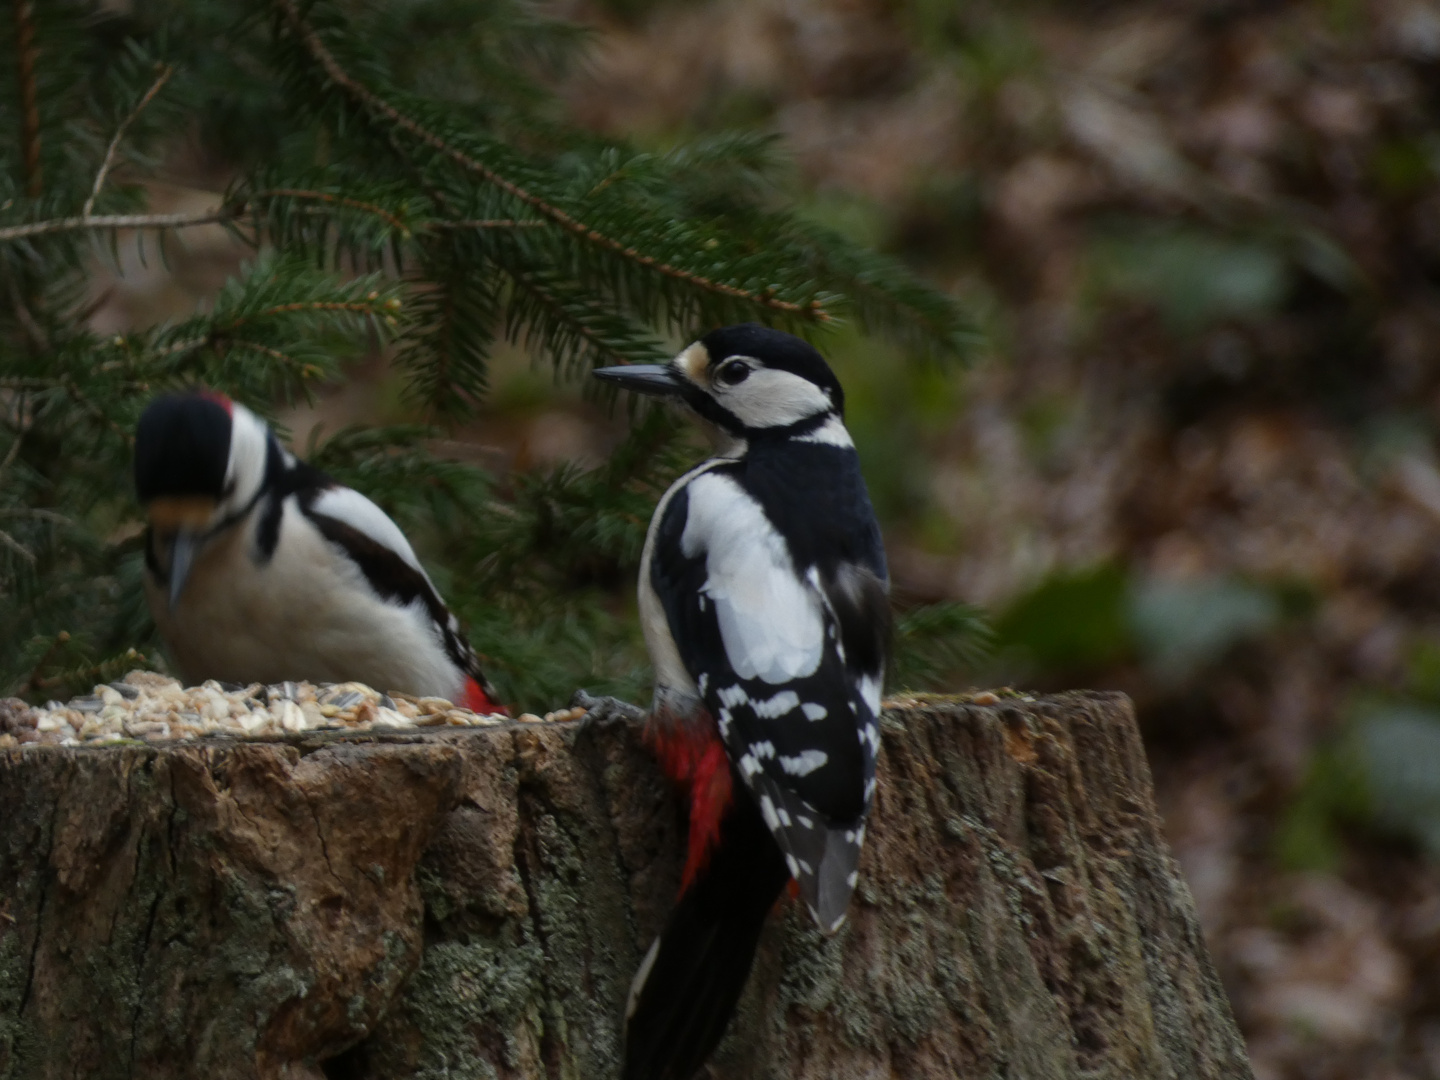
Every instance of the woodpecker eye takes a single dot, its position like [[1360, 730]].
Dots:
[[733, 372]]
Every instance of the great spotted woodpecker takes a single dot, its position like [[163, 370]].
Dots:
[[765, 604], [260, 568]]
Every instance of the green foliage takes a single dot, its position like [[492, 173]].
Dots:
[[938, 646], [1334, 795], [1378, 773], [1081, 621], [1183, 626], [1194, 278], [408, 185], [1070, 622]]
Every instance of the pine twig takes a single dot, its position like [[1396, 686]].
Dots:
[[338, 200], [33, 330], [72, 388], [6, 540], [489, 223], [29, 97], [306, 370], [84, 674], [551, 301], [358, 307], [110, 151], [378, 105], [122, 221], [13, 452], [35, 682]]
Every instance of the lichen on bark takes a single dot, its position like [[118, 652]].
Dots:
[[474, 903]]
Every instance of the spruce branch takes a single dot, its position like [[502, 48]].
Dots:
[[122, 221], [367, 307], [29, 97], [72, 388], [305, 370], [487, 223], [35, 682], [378, 106], [110, 151], [14, 545], [338, 200]]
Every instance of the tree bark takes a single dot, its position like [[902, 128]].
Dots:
[[474, 902]]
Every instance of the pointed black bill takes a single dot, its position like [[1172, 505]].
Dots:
[[658, 380]]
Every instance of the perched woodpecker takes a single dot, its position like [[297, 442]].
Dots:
[[260, 568], [764, 599]]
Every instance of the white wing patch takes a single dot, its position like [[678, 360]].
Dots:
[[350, 507], [870, 693], [770, 620], [731, 696], [804, 763], [773, 708]]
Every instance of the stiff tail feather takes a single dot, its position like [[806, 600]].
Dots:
[[689, 983]]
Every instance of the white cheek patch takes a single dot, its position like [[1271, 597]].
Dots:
[[249, 446], [830, 433], [770, 620], [771, 397]]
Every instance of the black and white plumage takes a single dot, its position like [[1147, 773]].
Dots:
[[764, 599], [260, 568]]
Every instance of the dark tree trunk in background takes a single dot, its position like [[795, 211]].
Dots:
[[473, 904]]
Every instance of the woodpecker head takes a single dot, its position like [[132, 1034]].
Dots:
[[200, 462], [748, 380]]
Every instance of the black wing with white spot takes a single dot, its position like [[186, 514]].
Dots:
[[788, 659]]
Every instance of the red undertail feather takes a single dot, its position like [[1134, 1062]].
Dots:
[[693, 754], [478, 701]]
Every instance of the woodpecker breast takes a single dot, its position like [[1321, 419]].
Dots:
[[773, 591], [285, 575]]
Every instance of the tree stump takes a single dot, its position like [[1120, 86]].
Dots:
[[473, 903]]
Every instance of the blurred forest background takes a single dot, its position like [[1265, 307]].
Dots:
[[1194, 458]]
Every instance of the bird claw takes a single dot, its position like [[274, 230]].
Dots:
[[599, 710]]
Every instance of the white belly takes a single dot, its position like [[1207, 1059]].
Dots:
[[307, 614]]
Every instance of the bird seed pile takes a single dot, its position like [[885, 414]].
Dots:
[[154, 708]]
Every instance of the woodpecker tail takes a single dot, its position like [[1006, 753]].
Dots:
[[687, 986]]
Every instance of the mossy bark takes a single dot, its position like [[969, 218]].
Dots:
[[472, 903]]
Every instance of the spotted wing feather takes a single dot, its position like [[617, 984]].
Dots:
[[788, 660]]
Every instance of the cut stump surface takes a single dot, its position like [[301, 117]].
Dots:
[[474, 902]]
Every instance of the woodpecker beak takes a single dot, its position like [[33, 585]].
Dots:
[[657, 380], [182, 557]]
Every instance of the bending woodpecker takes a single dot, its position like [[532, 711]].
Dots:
[[765, 603], [260, 568]]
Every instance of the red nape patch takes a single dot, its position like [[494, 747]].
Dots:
[[477, 701], [219, 399]]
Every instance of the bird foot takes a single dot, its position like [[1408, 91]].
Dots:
[[599, 710]]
